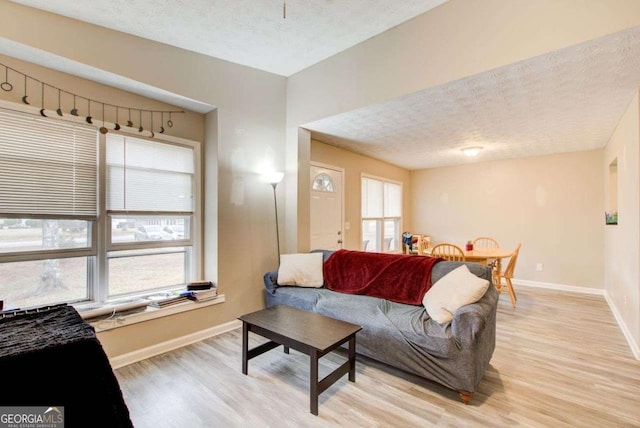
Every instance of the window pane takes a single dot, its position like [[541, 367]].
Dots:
[[143, 270], [371, 198], [391, 233], [127, 229], [370, 233], [17, 235], [43, 282], [392, 200]]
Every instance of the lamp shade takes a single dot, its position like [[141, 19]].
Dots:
[[273, 177]]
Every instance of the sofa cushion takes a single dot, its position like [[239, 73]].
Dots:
[[302, 270], [457, 288]]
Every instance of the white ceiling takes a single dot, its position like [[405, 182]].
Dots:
[[563, 101], [248, 32]]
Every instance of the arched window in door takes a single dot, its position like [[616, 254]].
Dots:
[[323, 183]]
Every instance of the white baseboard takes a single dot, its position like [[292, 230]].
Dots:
[[560, 287], [635, 349], [170, 345]]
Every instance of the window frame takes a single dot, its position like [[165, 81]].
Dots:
[[381, 219], [99, 241], [192, 245]]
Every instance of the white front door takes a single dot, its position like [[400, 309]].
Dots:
[[326, 208]]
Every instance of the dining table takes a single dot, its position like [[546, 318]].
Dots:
[[484, 255]]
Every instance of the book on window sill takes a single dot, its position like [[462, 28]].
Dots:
[[203, 295], [167, 301], [200, 285]]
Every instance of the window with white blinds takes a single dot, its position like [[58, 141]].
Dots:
[[148, 176], [58, 243], [150, 209], [381, 212], [47, 167]]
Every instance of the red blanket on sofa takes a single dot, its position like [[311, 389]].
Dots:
[[397, 277]]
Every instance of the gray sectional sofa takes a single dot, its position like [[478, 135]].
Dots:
[[455, 354]]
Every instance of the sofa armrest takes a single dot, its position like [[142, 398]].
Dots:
[[271, 281], [467, 322], [470, 321]]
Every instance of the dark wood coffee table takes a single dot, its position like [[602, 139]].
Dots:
[[312, 334]]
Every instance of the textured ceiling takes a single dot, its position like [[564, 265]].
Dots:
[[248, 32], [567, 100]]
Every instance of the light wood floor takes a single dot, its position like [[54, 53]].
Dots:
[[560, 361]]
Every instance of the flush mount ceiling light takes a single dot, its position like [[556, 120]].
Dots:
[[471, 151]]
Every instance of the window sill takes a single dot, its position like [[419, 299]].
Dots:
[[149, 313]]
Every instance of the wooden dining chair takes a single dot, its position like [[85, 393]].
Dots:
[[424, 245], [448, 251], [507, 276], [486, 242]]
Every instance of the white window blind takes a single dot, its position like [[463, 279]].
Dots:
[[372, 198], [47, 167], [148, 176], [392, 200]]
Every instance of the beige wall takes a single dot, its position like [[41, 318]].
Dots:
[[354, 166], [249, 127], [457, 39], [460, 38], [622, 241], [552, 204], [189, 125]]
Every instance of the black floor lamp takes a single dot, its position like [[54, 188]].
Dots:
[[274, 178]]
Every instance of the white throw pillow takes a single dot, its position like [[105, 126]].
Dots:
[[457, 288], [302, 270]]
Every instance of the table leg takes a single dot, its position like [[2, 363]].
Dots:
[[352, 359], [313, 382], [245, 347], [286, 349]]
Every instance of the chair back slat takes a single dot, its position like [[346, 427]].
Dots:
[[485, 242], [423, 245], [448, 251]]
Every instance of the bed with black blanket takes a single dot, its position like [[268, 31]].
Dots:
[[52, 357]]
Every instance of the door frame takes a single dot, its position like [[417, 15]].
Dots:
[[342, 172]]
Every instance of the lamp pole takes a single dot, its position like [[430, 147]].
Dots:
[[274, 178], [275, 203]]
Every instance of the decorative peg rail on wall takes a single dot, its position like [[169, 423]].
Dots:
[[142, 119]]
